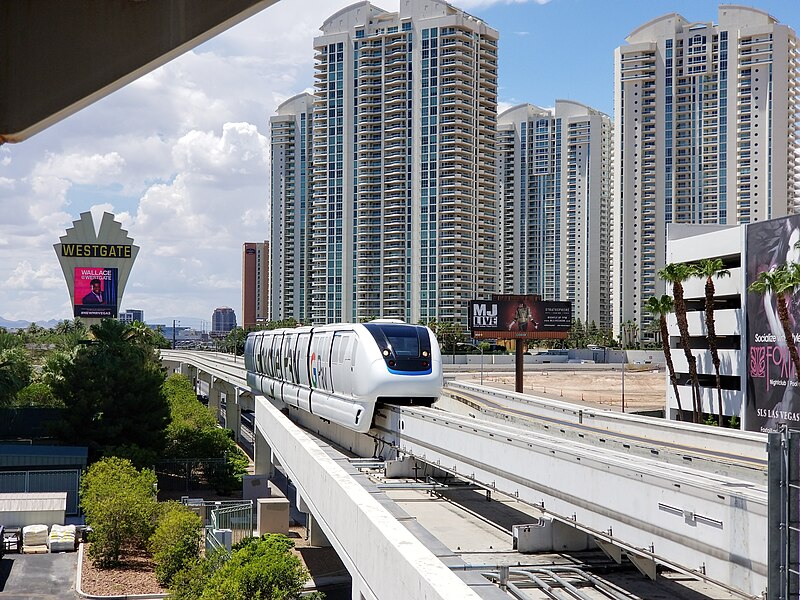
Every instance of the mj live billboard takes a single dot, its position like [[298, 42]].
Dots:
[[519, 317]]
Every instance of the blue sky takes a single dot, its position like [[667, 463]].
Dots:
[[181, 155]]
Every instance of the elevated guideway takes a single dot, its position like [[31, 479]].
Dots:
[[706, 522], [739, 454]]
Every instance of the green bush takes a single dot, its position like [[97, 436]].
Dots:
[[120, 506], [175, 544], [261, 568], [190, 582]]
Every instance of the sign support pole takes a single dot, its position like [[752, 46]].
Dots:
[[518, 367]]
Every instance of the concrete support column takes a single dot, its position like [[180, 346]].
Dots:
[[316, 537], [190, 372], [233, 412], [360, 591], [263, 456], [214, 396], [203, 383]]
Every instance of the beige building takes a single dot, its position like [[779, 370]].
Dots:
[[705, 132], [403, 212], [554, 188], [290, 203]]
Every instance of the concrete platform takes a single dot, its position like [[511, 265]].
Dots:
[[479, 532]]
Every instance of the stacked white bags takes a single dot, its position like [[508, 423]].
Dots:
[[61, 538], [34, 535]]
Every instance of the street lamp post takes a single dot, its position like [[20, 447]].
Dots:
[[174, 337], [481, 351]]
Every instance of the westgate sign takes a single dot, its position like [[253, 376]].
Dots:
[[96, 265]]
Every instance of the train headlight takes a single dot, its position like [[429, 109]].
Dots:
[[386, 352], [425, 354]]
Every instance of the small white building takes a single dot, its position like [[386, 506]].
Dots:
[[32, 508], [691, 243]]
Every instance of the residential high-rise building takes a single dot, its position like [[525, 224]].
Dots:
[[705, 132], [290, 132], [255, 283], [223, 320], [131, 315], [554, 188], [403, 211]]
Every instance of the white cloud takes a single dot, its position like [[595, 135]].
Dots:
[[39, 277], [181, 156], [82, 168]]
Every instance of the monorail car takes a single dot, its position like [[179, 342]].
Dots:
[[339, 372]]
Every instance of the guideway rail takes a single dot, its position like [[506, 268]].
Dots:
[[696, 522]]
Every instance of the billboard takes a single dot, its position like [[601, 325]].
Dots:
[[519, 318], [773, 397], [95, 292], [96, 264]]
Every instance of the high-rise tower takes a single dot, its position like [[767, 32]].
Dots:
[[403, 215], [290, 135], [255, 283], [705, 132], [554, 187]]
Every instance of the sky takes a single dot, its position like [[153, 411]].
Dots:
[[181, 155]]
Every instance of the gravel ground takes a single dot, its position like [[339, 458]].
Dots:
[[134, 576]]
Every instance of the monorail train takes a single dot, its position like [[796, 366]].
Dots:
[[340, 372]]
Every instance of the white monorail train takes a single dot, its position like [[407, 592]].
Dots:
[[339, 372]]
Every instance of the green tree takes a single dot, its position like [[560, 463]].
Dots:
[[260, 568], [15, 374], [190, 582], [448, 333], [37, 395], [175, 544], [711, 269], [69, 334], [112, 390], [120, 506], [777, 283], [234, 341], [676, 274], [660, 308], [193, 433]]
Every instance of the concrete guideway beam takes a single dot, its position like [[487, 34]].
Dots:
[[702, 523], [384, 558], [45, 76]]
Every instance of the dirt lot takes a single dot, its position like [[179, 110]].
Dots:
[[601, 387]]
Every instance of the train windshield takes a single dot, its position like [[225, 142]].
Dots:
[[403, 339]]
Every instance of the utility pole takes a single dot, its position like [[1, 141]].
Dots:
[[174, 321]]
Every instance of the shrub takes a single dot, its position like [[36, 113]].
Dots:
[[175, 544], [261, 568], [120, 506], [190, 582]]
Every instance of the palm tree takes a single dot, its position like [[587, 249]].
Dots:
[[711, 268], [777, 282], [660, 308], [676, 274]]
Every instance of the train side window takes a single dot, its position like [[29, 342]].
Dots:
[[354, 352], [257, 352], [303, 357], [336, 351], [278, 359]]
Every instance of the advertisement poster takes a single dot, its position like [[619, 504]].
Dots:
[[95, 292], [773, 396], [522, 318]]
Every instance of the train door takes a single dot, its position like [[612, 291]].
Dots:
[[341, 362], [289, 390], [302, 364]]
